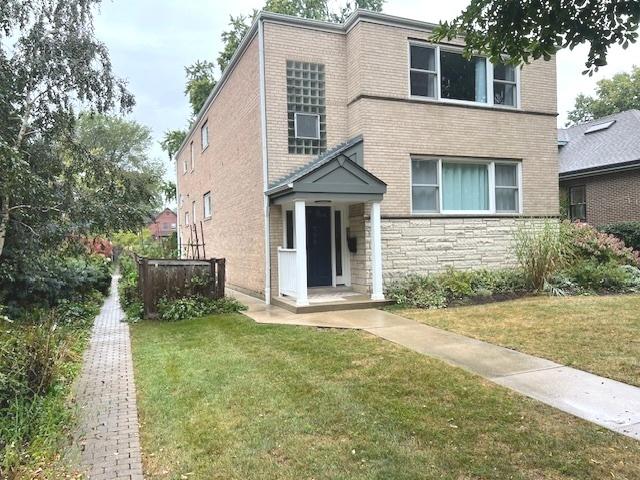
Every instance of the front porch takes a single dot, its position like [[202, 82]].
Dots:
[[323, 299], [318, 253]]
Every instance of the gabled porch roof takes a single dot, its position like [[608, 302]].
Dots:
[[336, 174]]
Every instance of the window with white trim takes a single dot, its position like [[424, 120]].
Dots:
[[505, 85], [465, 186], [186, 218], [193, 211], [185, 165], [423, 71], [192, 156], [206, 205], [204, 135], [443, 73]]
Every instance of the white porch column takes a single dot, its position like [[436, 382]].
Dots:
[[301, 253], [376, 253]]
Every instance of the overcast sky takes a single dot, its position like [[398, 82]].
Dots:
[[151, 41]]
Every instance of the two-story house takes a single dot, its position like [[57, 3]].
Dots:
[[340, 156]]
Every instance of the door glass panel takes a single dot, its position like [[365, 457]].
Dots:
[[338, 241]]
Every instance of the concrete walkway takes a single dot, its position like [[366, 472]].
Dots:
[[108, 431], [608, 403]]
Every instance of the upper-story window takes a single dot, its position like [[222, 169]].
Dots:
[[206, 205], [192, 156], [464, 186], [204, 135], [185, 165], [306, 109], [442, 73]]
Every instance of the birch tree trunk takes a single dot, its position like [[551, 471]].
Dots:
[[5, 203]]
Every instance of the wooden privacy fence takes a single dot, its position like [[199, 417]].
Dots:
[[173, 278]]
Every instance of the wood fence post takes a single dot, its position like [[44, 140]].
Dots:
[[221, 276], [146, 290]]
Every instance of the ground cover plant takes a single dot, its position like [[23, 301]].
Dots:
[[224, 397]]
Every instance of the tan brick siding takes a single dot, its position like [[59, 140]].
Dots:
[[611, 198], [284, 43], [231, 168], [382, 55], [394, 131]]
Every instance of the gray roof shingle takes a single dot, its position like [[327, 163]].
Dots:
[[618, 144]]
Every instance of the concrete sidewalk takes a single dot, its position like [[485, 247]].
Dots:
[[608, 403]]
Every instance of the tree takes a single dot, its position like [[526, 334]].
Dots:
[[172, 140], [50, 61], [522, 30], [169, 191], [116, 185], [613, 95], [313, 9], [200, 82]]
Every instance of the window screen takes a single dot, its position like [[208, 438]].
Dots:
[[504, 85], [506, 187], [307, 125], [423, 71], [424, 185], [306, 95]]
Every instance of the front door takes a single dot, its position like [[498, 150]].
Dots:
[[319, 272]]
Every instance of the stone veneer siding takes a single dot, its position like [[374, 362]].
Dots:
[[429, 245], [611, 198]]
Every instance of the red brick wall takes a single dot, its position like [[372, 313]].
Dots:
[[611, 198]]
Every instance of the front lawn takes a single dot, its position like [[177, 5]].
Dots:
[[597, 334], [223, 397]]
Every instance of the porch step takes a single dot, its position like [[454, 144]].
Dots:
[[330, 306]]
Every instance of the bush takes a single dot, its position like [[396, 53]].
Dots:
[[541, 252], [49, 279], [589, 243], [39, 356], [628, 232], [193, 307], [443, 289]]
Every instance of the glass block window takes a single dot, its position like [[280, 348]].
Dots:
[[306, 94]]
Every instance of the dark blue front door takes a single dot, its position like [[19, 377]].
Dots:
[[319, 246]]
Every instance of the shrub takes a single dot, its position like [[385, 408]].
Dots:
[[601, 277], [589, 243], [193, 307], [541, 252], [51, 278], [628, 232], [39, 356], [443, 289], [128, 289]]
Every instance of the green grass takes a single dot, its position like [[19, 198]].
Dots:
[[224, 398], [597, 334]]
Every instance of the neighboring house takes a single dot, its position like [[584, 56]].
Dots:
[[164, 224], [353, 154], [600, 169]]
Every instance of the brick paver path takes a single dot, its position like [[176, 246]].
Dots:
[[108, 428]]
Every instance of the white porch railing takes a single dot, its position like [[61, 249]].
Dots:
[[287, 271]]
